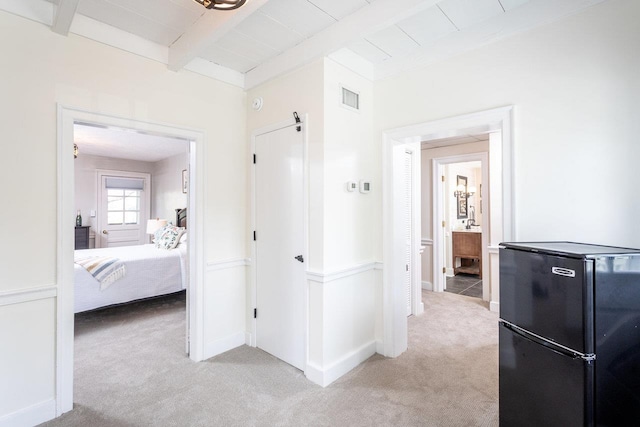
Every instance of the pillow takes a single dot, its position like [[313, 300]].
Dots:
[[183, 238], [170, 237], [158, 234]]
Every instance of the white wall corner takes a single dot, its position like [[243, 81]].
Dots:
[[31, 415], [324, 377], [224, 344], [380, 347], [427, 286], [247, 339]]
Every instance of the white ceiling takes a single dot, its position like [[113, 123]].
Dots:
[[266, 38], [123, 143]]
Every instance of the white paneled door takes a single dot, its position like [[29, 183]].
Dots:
[[124, 201], [279, 228]]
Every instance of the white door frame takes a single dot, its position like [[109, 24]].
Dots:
[[305, 197], [67, 116], [499, 119], [437, 206]]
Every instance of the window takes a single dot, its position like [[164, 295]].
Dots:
[[123, 206]]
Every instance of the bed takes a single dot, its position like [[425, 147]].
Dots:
[[149, 272]]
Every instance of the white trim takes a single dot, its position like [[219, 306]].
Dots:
[[494, 306], [493, 249], [394, 316], [427, 286], [19, 296], [31, 415], [426, 241], [320, 277], [231, 263], [326, 376], [222, 345], [65, 202]]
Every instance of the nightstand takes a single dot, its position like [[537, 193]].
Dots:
[[82, 237]]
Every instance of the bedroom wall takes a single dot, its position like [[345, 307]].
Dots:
[[77, 72], [574, 87], [166, 187]]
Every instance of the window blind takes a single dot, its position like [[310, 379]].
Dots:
[[124, 183]]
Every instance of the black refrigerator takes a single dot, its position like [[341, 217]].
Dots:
[[569, 349]]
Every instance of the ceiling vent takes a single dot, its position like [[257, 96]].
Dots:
[[350, 99]]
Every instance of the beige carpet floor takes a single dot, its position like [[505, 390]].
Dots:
[[130, 370]]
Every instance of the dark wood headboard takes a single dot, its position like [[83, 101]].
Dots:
[[181, 217]]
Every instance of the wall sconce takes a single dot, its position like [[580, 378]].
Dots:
[[460, 192]]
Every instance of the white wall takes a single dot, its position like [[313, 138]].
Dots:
[[340, 234], [574, 87], [166, 186], [38, 70]]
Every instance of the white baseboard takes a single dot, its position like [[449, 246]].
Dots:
[[224, 344], [450, 272], [31, 415], [494, 306], [380, 347], [427, 286], [324, 377]]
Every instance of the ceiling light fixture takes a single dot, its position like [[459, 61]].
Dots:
[[221, 4]]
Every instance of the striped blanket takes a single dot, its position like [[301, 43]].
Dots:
[[104, 269]]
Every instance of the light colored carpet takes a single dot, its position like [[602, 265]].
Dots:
[[130, 370]]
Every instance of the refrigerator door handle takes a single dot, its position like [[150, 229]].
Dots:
[[552, 345], [560, 271]]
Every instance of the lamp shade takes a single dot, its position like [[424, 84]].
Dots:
[[155, 224]]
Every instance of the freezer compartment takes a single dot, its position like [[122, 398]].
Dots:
[[542, 386], [552, 296]]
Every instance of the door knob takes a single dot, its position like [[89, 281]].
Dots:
[[299, 258], [104, 232]]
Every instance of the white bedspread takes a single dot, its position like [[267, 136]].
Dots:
[[150, 272]]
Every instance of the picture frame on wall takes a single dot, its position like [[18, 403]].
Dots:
[[185, 181], [461, 197]]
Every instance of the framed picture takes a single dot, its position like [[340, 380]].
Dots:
[[461, 196], [185, 181]]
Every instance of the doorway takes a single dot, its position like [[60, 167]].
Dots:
[[497, 121], [279, 244], [67, 118]]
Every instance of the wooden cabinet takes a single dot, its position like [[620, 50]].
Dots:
[[467, 252], [82, 237]]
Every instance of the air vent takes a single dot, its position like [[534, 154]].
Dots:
[[350, 99]]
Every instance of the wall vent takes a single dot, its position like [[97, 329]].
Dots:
[[350, 99]]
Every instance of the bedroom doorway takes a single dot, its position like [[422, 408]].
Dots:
[[190, 180]]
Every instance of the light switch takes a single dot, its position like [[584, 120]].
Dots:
[[92, 213]]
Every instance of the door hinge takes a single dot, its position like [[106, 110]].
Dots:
[[254, 159], [444, 270], [254, 235], [255, 313], [295, 116], [406, 267], [442, 178], [444, 223]]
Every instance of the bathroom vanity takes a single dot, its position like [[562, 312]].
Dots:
[[467, 252]]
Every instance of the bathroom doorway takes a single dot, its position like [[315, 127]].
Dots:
[[463, 222]]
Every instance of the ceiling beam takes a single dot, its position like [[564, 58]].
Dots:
[[209, 28], [65, 12], [363, 22]]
